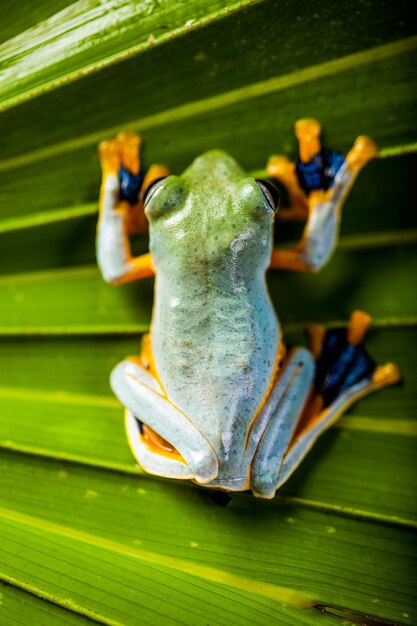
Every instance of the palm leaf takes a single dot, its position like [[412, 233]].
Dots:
[[85, 536]]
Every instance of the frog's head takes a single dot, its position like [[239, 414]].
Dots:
[[211, 216]]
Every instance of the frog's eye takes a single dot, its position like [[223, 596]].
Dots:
[[152, 189], [270, 193]]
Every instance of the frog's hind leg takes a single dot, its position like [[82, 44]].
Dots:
[[146, 404], [274, 428], [344, 374]]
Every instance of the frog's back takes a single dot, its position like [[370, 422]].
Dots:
[[215, 335]]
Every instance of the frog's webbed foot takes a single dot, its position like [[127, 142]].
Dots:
[[344, 373], [120, 164], [321, 231], [110, 157], [188, 453], [130, 144], [131, 181]]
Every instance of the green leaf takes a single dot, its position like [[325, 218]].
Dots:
[[25, 608], [85, 536]]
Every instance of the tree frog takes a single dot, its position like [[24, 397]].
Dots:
[[214, 396]]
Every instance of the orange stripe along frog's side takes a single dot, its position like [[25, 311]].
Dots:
[[214, 397]]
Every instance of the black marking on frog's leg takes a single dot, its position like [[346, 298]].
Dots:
[[340, 365], [114, 253], [321, 231], [130, 185]]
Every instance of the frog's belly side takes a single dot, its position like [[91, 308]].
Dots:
[[215, 355]]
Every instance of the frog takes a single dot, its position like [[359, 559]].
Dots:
[[215, 396]]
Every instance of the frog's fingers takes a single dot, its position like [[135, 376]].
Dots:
[[363, 150], [132, 386], [130, 151], [109, 152]]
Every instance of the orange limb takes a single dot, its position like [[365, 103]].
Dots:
[[140, 267], [282, 169]]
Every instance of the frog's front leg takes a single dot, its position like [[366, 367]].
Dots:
[[322, 228], [144, 399], [324, 191], [114, 255]]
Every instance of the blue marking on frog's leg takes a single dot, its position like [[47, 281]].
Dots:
[[277, 421], [142, 396], [130, 185], [113, 247]]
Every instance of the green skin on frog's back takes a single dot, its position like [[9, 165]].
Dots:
[[215, 335]]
